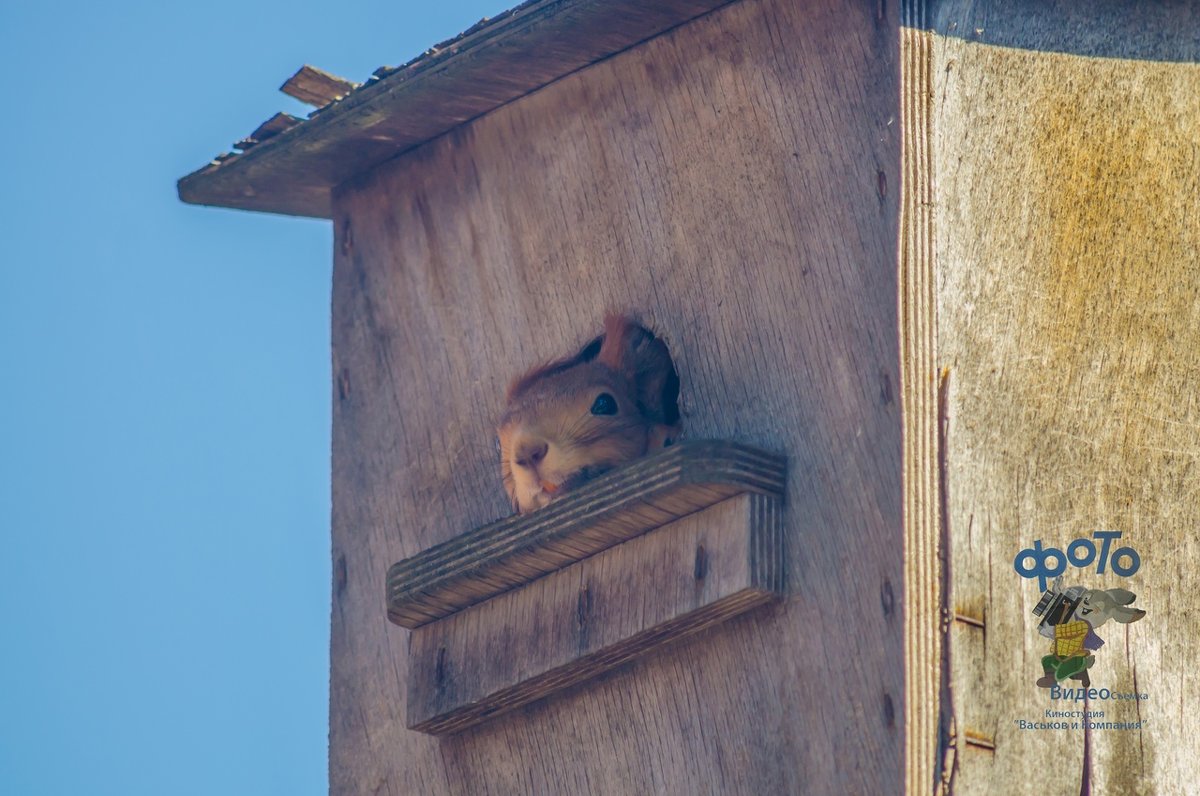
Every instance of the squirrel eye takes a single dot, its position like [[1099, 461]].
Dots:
[[605, 404]]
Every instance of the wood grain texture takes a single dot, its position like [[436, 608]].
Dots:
[[928, 758], [616, 507], [1159, 31], [1068, 315], [268, 130], [595, 615], [735, 180], [316, 86], [492, 64]]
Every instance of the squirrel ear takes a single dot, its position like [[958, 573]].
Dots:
[[614, 350], [634, 351]]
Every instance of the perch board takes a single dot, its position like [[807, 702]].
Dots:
[[617, 506]]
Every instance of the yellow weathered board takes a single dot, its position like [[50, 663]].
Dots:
[[1066, 206]]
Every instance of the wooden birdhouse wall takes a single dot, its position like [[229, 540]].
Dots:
[[1052, 268], [735, 181]]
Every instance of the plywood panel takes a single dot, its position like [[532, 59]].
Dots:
[[1068, 301], [497, 61], [926, 755], [735, 181], [592, 616]]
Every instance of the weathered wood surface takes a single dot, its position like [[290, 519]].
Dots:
[[595, 615], [317, 87], [495, 63], [1067, 237], [736, 181], [1132, 29], [616, 507], [268, 130]]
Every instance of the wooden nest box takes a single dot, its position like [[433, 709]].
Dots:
[[942, 256]]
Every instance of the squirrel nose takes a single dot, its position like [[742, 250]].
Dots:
[[531, 452]]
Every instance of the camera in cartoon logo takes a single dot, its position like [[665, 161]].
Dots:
[[1070, 618]]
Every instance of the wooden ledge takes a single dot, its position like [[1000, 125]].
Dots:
[[617, 506], [595, 615]]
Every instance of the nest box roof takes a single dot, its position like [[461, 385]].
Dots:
[[290, 165]]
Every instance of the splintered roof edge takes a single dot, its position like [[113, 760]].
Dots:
[[291, 165]]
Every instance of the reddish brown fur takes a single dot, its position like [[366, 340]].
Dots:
[[550, 439], [616, 332], [537, 373]]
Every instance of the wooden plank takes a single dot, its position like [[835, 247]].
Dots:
[[595, 615], [616, 507], [510, 56], [317, 87], [1068, 249]]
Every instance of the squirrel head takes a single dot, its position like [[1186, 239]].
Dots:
[[570, 420]]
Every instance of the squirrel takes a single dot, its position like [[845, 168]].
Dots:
[[572, 419]]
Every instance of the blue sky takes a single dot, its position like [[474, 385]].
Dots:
[[164, 399]]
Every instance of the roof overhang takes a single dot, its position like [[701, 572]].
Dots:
[[293, 170]]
